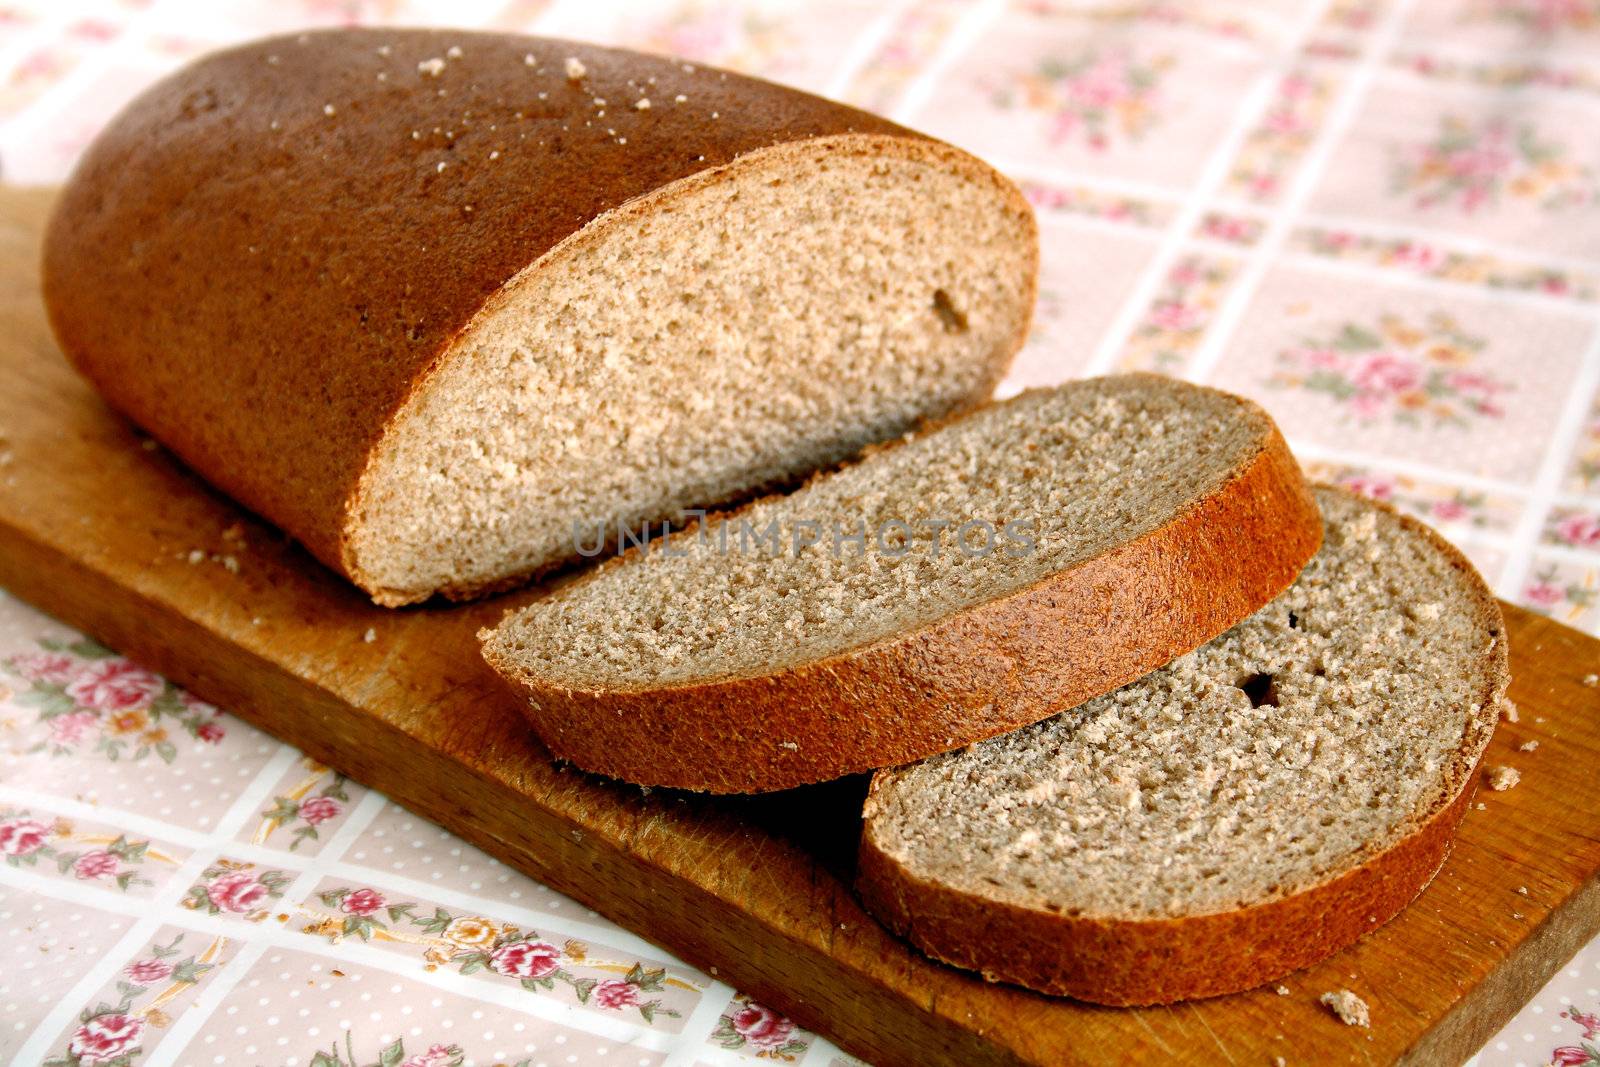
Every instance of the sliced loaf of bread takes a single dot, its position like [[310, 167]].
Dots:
[[1245, 811], [970, 580], [423, 298]]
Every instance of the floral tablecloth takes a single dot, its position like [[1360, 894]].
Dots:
[[1381, 218]]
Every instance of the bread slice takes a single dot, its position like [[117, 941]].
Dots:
[[425, 298], [1247, 810], [1128, 520]]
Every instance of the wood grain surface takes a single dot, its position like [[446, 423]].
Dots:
[[98, 530]]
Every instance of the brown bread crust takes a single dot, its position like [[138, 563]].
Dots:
[[1127, 962], [259, 263], [970, 675]]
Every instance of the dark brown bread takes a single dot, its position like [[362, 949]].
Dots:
[[265, 255], [1186, 513], [1261, 839], [1125, 963]]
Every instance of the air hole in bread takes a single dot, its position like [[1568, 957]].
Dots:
[[954, 321], [1261, 689]]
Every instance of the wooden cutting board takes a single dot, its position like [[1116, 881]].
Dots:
[[98, 531]]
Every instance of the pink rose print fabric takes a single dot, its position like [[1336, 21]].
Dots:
[[750, 1027], [22, 837], [1380, 219], [91, 700], [148, 971], [106, 1038]]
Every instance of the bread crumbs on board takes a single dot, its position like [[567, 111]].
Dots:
[[575, 69], [1351, 1009], [1500, 777]]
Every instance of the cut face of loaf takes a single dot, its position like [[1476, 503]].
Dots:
[[733, 331], [434, 300], [1128, 520], [1247, 810]]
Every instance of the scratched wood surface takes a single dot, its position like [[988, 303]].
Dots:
[[95, 530]]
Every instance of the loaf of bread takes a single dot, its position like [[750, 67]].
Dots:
[[969, 581], [1245, 811], [429, 300]]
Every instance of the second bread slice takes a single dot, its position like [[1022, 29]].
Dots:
[[1012, 563]]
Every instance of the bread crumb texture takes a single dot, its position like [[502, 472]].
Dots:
[[1298, 745], [1351, 1009], [1090, 466], [1500, 777], [763, 325]]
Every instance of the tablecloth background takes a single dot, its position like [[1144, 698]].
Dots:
[[1380, 218]]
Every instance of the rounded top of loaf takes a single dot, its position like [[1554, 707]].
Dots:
[[297, 228]]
